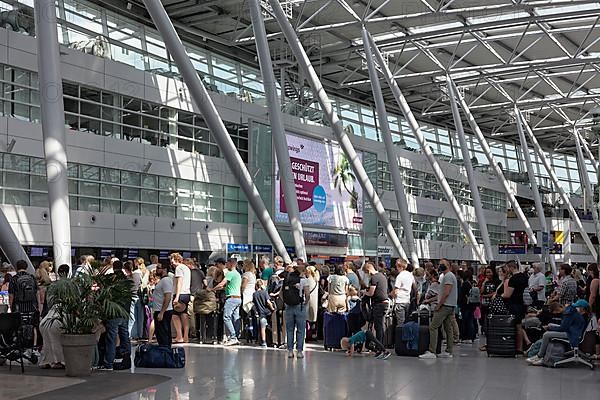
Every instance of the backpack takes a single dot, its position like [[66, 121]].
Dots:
[[554, 352], [291, 294], [527, 299], [26, 290], [474, 295]]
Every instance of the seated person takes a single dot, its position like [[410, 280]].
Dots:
[[549, 314], [574, 321], [370, 342]]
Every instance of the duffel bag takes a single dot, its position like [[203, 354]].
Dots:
[[153, 356]]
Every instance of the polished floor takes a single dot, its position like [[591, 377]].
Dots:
[[253, 373]]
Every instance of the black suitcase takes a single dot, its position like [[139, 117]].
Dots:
[[400, 346], [501, 336], [389, 334]]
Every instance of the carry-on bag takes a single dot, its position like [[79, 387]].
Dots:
[[153, 356], [501, 336], [401, 346], [335, 327]]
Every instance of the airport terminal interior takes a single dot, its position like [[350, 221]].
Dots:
[[291, 199]]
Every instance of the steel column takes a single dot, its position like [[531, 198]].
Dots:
[[286, 175], [587, 150], [464, 148], [537, 198], [10, 246], [488, 153], [587, 184], [391, 153], [206, 106], [336, 124], [437, 170], [561, 192], [53, 128]]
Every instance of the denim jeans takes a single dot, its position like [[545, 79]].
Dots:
[[136, 319], [469, 325], [231, 316], [116, 327], [400, 311], [295, 322]]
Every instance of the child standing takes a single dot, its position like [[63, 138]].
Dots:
[[264, 308], [370, 342]]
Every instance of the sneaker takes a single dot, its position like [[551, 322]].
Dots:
[[538, 363], [290, 354], [378, 355], [428, 356], [263, 345], [467, 341], [533, 359], [104, 368], [445, 354], [300, 355], [231, 342], [385, 355]]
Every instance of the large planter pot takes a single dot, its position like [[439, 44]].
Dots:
[[78, 351]]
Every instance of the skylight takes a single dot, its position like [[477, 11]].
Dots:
[[497, 16], [566, 9]]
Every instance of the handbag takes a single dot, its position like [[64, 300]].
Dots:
[[498, 307], [477, 312]]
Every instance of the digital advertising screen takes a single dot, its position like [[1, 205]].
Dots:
[[327, 189]]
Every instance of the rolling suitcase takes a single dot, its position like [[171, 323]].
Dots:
[[389, 334], [401, 346], [501, 336], [335, 327]]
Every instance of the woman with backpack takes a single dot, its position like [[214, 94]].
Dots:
[[296, 295]]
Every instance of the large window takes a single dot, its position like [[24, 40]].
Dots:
[[91, 188]]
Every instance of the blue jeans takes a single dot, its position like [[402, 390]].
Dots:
[[116, 327], [295, 320], [136, 319], [231, 316]]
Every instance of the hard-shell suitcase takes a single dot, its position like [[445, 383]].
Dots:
[[389, 334], [335, 327], [501, 336], [401, 346]]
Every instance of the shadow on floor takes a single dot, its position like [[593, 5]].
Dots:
[[98, 386]]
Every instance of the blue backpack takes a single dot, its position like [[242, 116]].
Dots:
[[153, 356]]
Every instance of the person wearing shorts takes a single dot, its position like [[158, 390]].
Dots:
[[264, 308], [181, 298], [513, 294]]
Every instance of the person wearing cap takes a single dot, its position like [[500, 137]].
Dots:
[[232, 284], [574, 321]]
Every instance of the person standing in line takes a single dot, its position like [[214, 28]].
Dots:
[[378, 295], [443, 315], [248, 285], [231, 283], [296, 296], [337, 289], [197, 283], [264, 308], [537, 286], [405, 282], [181, 300], [513, 295], [153, 262], [162, 306]]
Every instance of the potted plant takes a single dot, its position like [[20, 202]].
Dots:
[[80, 304]]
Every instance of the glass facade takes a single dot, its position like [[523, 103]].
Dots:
[[99, 189], [423, 184], [105, 113]]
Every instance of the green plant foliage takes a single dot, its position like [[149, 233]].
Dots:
[[84, 300]]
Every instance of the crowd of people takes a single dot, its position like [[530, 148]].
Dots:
[[282, 305]]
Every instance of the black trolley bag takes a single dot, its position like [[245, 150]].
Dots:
[[400, 346], [501, 336]]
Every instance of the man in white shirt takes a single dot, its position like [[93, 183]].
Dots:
[[405, 282], [537, 286], [153, 263], [162, 307], [181, 299]]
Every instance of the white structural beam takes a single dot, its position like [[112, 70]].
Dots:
[[565, 198], [208, 110], [10, 246], [490, 157], [336, 125], [437, 170], [464, 148], [277, 128], [53, 128], [390, 150], [587, 185]]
